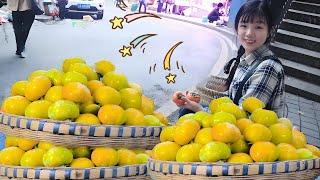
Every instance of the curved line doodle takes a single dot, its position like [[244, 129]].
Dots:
[[126, 50], [134, 16], [121, 8], [143, 45], [139, 39], [117, 22], [167, 58], [121, 5]]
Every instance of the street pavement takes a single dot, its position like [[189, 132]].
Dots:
[[51, 42]]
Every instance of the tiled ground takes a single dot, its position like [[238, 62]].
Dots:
[[306, 115]]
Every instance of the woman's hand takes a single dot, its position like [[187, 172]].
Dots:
[[181, 100], [191, 105], [177, 98]]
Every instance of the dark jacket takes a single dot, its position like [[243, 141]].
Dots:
[[214, 14], [62, 2]]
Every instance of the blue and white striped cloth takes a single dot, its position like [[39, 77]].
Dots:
[[2, 140]]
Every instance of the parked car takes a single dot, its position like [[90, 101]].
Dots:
[[86, 7]]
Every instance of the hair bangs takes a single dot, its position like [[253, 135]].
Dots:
[[255, 10], [250, 16]]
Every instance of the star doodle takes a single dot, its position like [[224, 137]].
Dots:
[[171, 78], [116, 22], [125, 51]]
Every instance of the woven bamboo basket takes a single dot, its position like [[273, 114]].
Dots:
[[72, 134], [116, 172], [299, 169], [212, 87]]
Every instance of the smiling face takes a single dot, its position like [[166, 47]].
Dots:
[[252, 34]]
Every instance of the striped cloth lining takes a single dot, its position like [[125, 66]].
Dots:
[[69, 173], [225, 169], [71, 128]]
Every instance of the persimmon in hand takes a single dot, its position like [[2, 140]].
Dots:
[[192, 96], [177, 98]]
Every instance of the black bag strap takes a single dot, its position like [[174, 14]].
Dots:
[[249, 74]]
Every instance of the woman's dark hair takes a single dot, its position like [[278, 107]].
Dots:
[[220, 5], [252, 9]]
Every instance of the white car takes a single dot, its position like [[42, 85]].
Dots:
[[86, 7]]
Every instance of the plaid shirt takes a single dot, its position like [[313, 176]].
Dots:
[[266, 83]]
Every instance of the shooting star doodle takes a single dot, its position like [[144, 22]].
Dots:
[[126, 50], [167, 64], [167, 58], [116, 22], [134, 16], [171, 78], [139, 39]]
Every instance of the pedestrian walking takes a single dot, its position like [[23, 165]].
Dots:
[[62, 8], [160, 5], [23, 18], [144, 4], [170, 4], [257, 72]]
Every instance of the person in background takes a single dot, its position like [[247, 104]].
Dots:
[[253, 25], [160, 5], [23, 18], [215, 13], [62, 8], [170, 4], [144, 4]]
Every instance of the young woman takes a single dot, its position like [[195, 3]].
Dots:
[[253, 25], [23, 18]]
